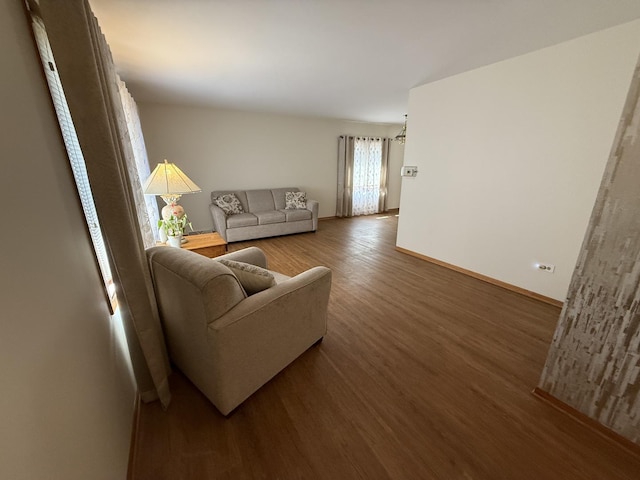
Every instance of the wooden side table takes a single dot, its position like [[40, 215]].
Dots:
[[207, 244]]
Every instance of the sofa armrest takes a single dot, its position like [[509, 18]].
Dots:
[[219, 220], [314, 206], [252, 255]]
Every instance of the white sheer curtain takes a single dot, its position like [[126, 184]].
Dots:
[[147, 207], [367, 162], [362, 175]]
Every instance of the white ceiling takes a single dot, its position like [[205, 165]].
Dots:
[[348, 59]]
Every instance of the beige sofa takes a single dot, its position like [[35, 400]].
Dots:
[[227, 343], [264, 215]]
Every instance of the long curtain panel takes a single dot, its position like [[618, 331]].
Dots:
[[345, 176], [90, 82], [146, 205], [362, 175]]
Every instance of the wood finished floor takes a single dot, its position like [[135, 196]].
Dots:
[[424, 373]]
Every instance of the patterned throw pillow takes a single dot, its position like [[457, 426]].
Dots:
[[294, 200], [253, 279], [229, 203]]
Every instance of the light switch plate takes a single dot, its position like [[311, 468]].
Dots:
[[408, 171]]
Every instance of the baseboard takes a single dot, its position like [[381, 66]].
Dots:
[[484, 278], [607, 433], [135, 425], [391, 211]]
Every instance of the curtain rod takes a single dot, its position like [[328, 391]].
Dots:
[[360, 137]]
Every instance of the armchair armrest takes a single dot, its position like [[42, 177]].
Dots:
[[282, 298]]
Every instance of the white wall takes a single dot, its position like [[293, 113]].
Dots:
[[223, 149], [67, 391], [510, 158]]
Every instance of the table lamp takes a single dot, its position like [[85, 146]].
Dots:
[[168, 181]]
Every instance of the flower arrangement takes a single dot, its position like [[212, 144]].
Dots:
[[174, 226]]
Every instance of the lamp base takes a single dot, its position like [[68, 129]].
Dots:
[[172, 209]]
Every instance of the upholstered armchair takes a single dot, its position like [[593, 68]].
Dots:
[[229, 342]]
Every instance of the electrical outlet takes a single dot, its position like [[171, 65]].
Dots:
[[546, 267]]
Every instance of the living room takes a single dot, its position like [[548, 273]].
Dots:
[[71, 385]]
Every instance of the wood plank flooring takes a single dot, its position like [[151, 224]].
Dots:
[[424, 373]]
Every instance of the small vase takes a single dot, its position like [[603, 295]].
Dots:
[[162, 235], [175, 241]]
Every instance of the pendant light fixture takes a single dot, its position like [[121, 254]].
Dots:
[[401, 136]]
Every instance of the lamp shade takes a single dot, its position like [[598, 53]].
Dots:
[[168, 179]]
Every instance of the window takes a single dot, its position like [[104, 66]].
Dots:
[[76, 158], [367, 173]]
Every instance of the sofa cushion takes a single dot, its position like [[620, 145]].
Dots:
[[278, 196], [229, 203], [252, 278], [272, 216], [260, 200], [297, 215], [242, 220], [295, 200], [242, 196]]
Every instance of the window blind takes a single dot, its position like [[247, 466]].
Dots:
[[76, 159]]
